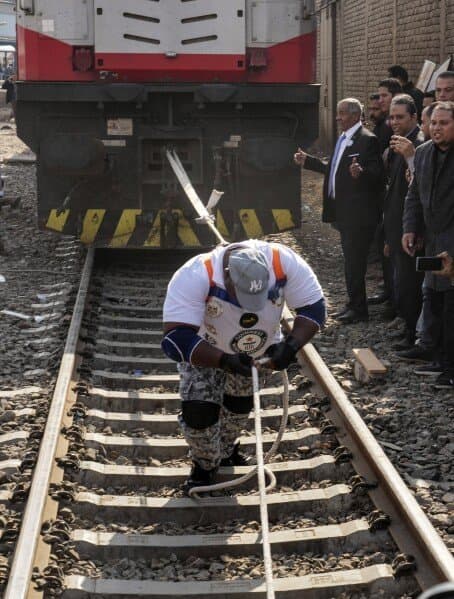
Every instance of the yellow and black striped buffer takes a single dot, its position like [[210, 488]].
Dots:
[[134, 228]]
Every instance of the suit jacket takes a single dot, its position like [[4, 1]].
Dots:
[[397, 189], [383, 132], [429, 206], [359, 201]]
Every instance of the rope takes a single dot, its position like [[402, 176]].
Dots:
[[261, 470], [266, 548], [194, 492]]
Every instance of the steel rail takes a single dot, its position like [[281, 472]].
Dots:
[[435, 562], [412, 530], [21, 570]]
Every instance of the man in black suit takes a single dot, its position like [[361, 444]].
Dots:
[[407, 282], [429, 213], [352, 198]]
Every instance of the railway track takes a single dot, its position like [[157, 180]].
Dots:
[[105, 517]]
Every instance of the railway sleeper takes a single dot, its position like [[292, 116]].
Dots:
[[167, 424], [107, 475], [143, 401], [334, 500], [370, 580], [335, 538], [168, 447]]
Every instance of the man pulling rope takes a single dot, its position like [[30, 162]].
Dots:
[[222, 311]]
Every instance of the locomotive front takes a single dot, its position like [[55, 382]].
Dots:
[[107, 87]]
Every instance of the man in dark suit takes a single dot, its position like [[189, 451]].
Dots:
[[429, 213], [352, 198], [407, 282]]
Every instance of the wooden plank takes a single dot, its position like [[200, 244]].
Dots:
[[369, 361]]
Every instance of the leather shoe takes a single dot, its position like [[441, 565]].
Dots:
[[417, 353], [351, 317], [341, 312], [380, 298]]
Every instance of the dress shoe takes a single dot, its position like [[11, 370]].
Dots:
[[444, 381], [350, 317], [380, 298], [407, 342], [417, 353], [404, 345], [432, 369], [341, 312]]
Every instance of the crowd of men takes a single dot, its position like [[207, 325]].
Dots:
[[392, 183]]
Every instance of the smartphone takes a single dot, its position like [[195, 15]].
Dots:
[[429, 263]]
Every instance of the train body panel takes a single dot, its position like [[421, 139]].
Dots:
[[105, 87]]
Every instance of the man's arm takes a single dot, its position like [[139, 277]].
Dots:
[[310, 162], [182, 343], [313, 163]]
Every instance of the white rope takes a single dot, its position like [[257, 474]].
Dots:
[[262, 489], [204, 215]]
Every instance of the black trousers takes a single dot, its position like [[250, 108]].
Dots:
[[442, 308], [387, 267], [356, 241], [407, 293]]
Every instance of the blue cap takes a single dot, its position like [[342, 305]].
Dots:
[[250, 275]]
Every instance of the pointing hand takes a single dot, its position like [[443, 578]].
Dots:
[[300, 157]]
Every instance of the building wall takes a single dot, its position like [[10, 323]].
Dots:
[[374, 34]]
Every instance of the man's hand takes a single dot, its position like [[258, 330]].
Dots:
[[281, 355], [355, 168], [402, 145], [409, 243], [236, 364], [300, 157], [386, 250], [448, 266]]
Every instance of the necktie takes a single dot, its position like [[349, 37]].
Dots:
[[332, 173]]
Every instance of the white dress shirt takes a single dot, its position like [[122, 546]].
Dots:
[[345, 142]]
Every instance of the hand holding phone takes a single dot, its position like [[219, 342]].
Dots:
[[430, 263]]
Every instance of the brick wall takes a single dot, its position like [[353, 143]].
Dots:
[[373, 34]]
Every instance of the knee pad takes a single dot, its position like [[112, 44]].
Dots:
[[238, 404], [199, 414]]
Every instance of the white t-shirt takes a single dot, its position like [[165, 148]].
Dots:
[[221, 321]]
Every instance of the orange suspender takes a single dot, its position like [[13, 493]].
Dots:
[[209, 267], [277, 265]]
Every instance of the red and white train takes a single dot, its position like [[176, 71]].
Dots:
[[106, 86]]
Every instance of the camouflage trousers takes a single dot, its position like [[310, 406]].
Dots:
[[210, 445]]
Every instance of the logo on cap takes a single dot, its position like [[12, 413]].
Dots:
[[256, 286]]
